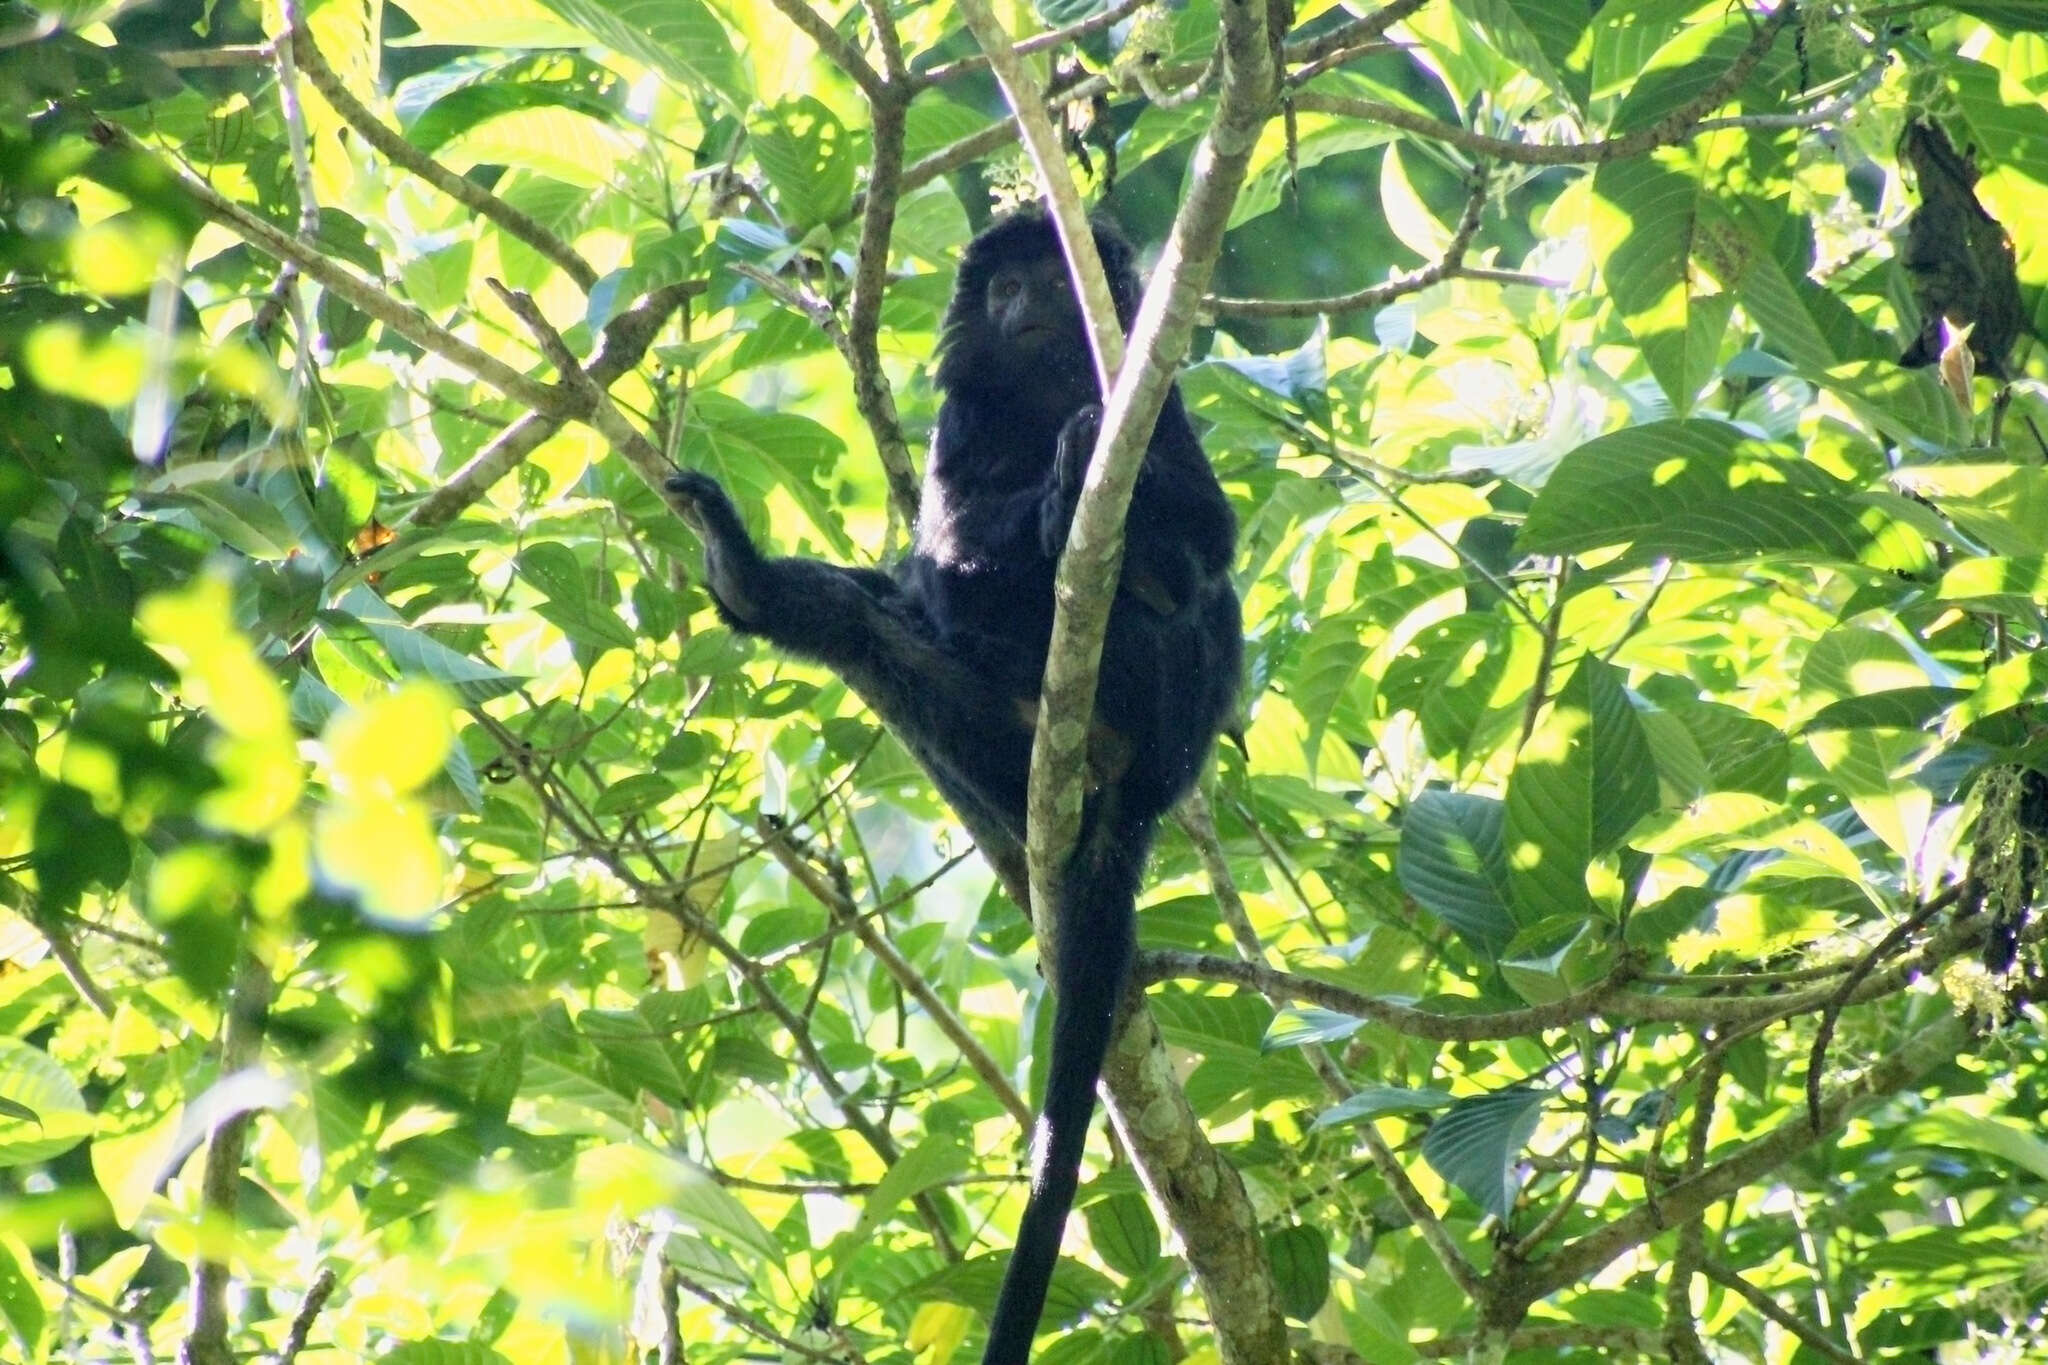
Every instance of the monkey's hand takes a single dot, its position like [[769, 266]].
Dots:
[[1063, 486], [731, 560]]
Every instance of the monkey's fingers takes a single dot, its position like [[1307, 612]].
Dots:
[[690, 494]]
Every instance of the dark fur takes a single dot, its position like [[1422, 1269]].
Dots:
[[949, 647]]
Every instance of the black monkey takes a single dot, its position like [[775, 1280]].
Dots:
[[949, 646]]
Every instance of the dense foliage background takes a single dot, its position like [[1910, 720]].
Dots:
[[426, 936]]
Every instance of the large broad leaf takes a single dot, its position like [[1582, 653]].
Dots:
[[1300, 1026], [809, 157], [932, 1162], [682, 39], [1300, 1257], [1646, 217], [1475, 1145], [415, 654], [1581, 782], [1708, 491], [1453, 862], [1378, 1101], [1999, 1137], [20, 1306], [442, 1353], [2001, 506], [45, 1114], [1124, 1233]]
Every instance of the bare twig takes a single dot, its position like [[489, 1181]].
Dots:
[[1816, 1339], [66, 953], [777, 841], [1375, 296], [838, 50], [344, 283], [1681, 1328], [1840, 997], [316, 1298], [871, 392], [1901, 1067], [626, 339]]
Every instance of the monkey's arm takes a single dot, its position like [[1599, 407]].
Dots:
[[949, 707], [821, 611], [1178, 500]]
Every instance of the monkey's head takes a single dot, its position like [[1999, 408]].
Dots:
[[1013, 332]]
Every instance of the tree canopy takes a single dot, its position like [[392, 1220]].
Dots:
[[428, 937]]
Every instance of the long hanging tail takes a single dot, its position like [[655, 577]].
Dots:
[[1097, 935]]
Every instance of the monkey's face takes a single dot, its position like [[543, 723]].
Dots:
[[1031, 306]]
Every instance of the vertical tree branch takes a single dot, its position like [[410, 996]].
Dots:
[[220, 1183]]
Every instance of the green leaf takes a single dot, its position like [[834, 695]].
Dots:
[[809, 157], [1475, 1145], [1300, 1257], [1124, 1234], [1898, 708], [932, 1162], [48, 1113], [1707, 491], [1993, 1135], [442, 1353], [2001, 506], [1993, 583], [1298, 1026], [1453, 861], [20, 1306], [1644, 223], [1580, 784], [1378, 1101], [418, 655], [680, 38]]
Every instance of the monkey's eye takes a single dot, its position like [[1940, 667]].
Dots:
[[1006, 287]]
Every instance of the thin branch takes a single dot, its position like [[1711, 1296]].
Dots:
[[343, 282], [1931, 1047], [1820, 115], [221, 1178], [776, 839], [758, 1325], [977, 145], [1434, 1233], [671, 1351], [1353, 33], [66, 953], [891, 43], [1342, 56], [626, 339], [1607, 997], [1681, 1327], [1839, 998], [407, 157], [204, 58], [1552, 1337], [316, 1298], [1589, 1134], [862, 347], [1677, 126], [837, 49], [1059, 37], [1816, 1339], [1374, 296], [1546, 658]]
